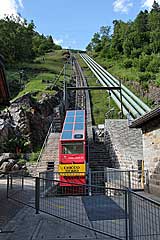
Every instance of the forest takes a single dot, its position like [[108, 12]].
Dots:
[[133, 46], [19, 41]]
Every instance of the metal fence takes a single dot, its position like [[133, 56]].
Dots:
[[110, 178], [115, 213], [101, 213], [144, 217]]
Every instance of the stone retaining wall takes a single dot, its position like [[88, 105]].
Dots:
[[124, 144]]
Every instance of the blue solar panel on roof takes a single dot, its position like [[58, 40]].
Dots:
[[67, 135], [70, 114], [79, 119], [78, 126], [79, 116], [69, 119], [68, 126], [79, 113]]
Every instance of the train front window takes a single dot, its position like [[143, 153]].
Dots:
[[73, 148]]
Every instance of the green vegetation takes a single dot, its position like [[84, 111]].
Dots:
[[32, 60], [19, 42], [37, 76], [34, 156], [132, 52]]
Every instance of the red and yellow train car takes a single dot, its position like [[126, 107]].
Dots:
[[72, 149]]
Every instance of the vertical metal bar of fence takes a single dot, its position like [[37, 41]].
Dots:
[[147, 181], [8, 186], [11, 181], [129, 179], [126, 214], [22, 182], [37, 194], [90, 183], [130, 215]]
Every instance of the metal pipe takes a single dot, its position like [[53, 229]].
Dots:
[[115, 95], [138, 109], [131, 105], [140, 102]]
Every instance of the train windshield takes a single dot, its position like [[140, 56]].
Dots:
[[73, 148]]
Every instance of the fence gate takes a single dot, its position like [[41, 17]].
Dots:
[[117, 178]]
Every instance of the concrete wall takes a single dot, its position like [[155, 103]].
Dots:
[[123, 143]]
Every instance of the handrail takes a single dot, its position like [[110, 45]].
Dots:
[[144, 197], [44, 144]]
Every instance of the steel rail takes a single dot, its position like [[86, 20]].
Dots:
[[86, 102], [140, 102], [132, 105]]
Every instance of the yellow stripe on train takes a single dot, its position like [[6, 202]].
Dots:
[[72, 169]]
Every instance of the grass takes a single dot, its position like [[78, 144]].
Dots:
[[158, 79], [45, 68], [100, 101], [35, 84]]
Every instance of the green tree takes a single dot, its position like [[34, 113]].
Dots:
[[155, 6], [19, 42]]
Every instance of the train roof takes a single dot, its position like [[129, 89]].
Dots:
[[74, 126]]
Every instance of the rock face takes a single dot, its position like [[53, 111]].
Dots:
[[8, 161], [25, 123]]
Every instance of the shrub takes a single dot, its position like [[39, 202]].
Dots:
[[144, 77], [127, 63], [135, 62], [21, 162], [143, 62], [136, 53], [34, 156], [154, 65]]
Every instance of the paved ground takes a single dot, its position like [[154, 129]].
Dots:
[[8, 209], [27, 225]]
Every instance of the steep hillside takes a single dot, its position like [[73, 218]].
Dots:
[[131, 53]]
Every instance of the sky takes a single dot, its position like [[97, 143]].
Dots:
[[72, 23]]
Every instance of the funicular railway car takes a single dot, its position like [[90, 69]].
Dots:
[[72, 149]]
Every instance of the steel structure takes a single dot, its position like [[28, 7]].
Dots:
[[131, 103]]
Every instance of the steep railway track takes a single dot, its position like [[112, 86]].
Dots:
[[83, 98], [131, 103], [80, 95]]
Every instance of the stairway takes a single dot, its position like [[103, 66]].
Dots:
[[154, 183], [98, 161], [98, 157], [50, 156]]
